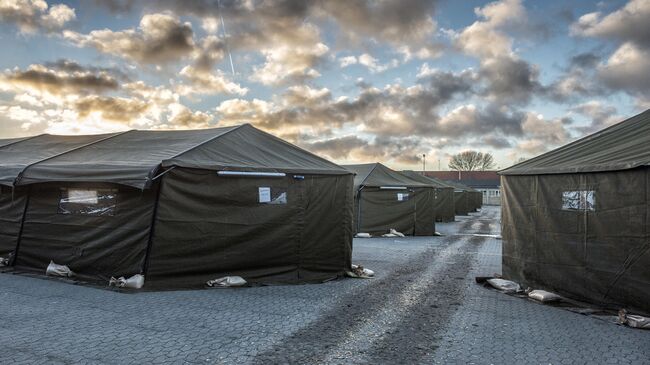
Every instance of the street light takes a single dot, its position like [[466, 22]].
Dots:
[[424, 163]]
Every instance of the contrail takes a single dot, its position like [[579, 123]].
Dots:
[[223, 28]]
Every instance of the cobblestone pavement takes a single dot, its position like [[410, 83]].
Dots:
[[423, 307]]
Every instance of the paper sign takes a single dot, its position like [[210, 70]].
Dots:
[[402, 197], [265, 194]]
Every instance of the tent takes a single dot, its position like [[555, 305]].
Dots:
[[443, 196], [463, 203], [180, 207], [576, 220], [386, 199]]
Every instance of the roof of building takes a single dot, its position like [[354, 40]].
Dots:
[[622, 146], [472, 179]]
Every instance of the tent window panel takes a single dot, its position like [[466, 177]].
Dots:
[[272, 196], [579, 200], [92, 202]]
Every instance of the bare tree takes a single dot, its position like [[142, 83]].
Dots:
[[472, 161]]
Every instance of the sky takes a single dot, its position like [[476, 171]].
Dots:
[[352, 81]]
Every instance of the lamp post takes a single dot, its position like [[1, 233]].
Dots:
[[424, 163]]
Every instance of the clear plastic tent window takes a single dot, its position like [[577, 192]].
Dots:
[[93, 202], [579, 200]]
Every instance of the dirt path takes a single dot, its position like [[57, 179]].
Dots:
[[395, 319]]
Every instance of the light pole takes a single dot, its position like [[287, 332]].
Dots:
[[424, 163]]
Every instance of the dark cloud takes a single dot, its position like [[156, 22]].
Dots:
[[577, 81], [72, 66], [111, 108], [496, 142], [509, 80], [584, 60], [72, 78], [116, 6], [338, 148], [160, 39], [446, 85], [406, 25]]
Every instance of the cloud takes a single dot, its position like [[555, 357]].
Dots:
[[373, 64], [160, 38], [289, 64], [406, 25], [111, 108], [577, 81], [601, 115], [353, 148], [34, 15], [181, 117], [207, 82], [507, 77], [627, 24], [541, 135], [496, 142], [59, 79], [627, 69]]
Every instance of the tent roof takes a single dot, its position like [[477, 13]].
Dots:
[[426, 179], [376, 175], [619, 147], [8, 141], [19, 154], [134, 157]]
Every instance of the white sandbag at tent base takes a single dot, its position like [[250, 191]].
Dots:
[[58, 270], [134, 282], [393, 233], [358, 271], [226, 282]]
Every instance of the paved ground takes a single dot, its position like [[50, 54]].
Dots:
[[423, 307]]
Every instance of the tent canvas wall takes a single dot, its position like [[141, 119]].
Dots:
[[386, 199], [462, 200], [15, 156], [183, 207], [443, 196], [575, 220]]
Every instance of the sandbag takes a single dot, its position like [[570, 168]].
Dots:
[[134, 282], [393, 233], [58, 270], [226, 282], [544, 296], [358, 271], [633, 320], [505, 286]]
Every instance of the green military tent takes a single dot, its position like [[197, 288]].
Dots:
[[179, 207], [386, 199], [463, 200], [443, 196], [576, 220]]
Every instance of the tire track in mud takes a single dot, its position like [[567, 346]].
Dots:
[[396, 319]]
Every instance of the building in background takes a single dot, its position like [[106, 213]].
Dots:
[[487, 182]]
